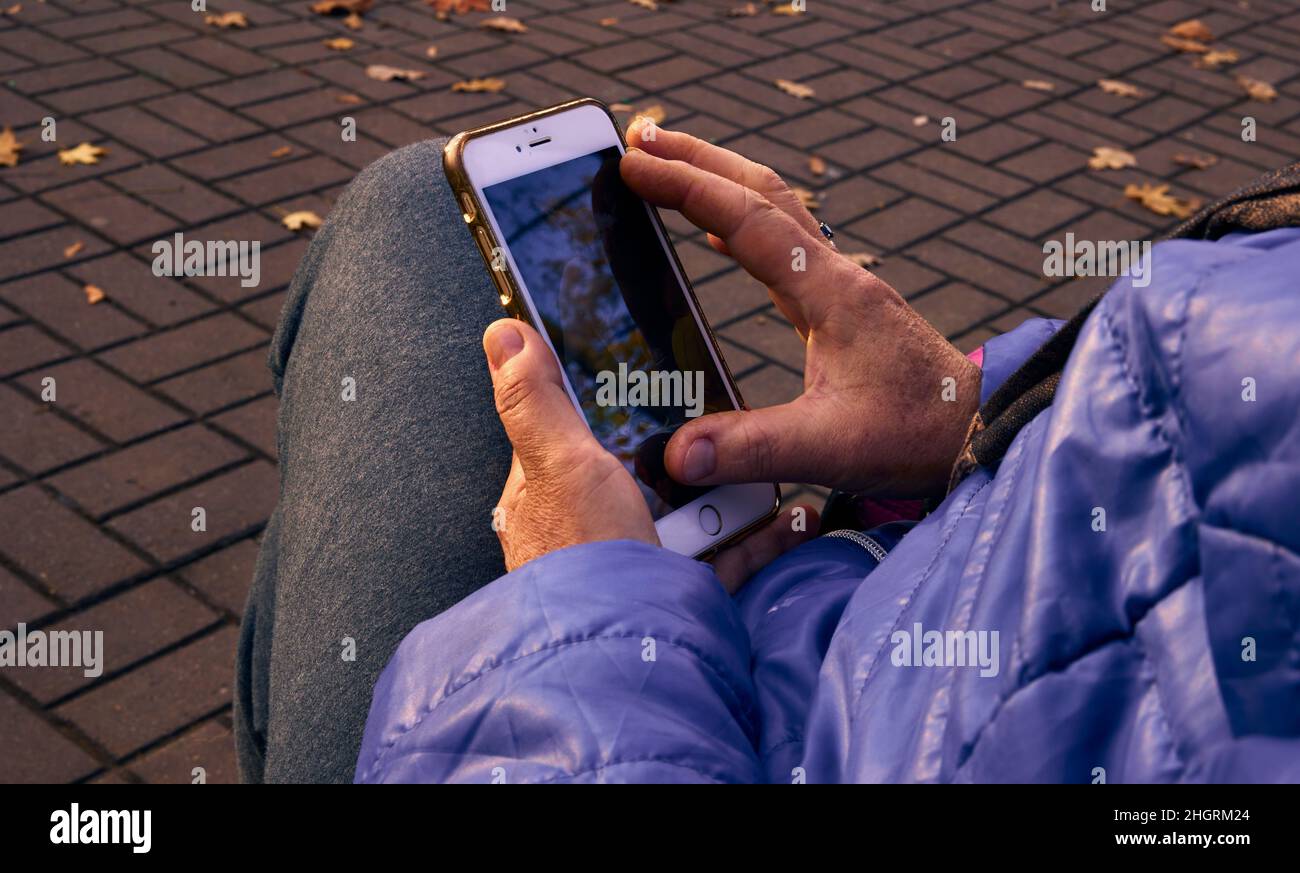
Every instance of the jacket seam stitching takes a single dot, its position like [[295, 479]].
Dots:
[[550, 647]]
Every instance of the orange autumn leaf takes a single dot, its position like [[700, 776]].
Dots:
[[1157, 199], [475, 86], [226, 19], [817, 166], [1192, 29], [9, 147], [342, 7], [94, 294], [1257, 89], [71, 251], [85, 153]]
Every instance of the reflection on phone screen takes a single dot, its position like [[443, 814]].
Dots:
[[588, 254]]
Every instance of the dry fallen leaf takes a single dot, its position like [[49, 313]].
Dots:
[[1257, 90], [742, 11], [9, 148], [1119, 89], [794, 89], [352, 22], [300, 220], [282, 152], [1184, 45], [475, 86], [459, 7], [863, 259], [1200, 162], [1038, 85], [807, 198], [654, 112], [1107, 158], [1192, 29], [385, 73], [920, 121], [14, 10], [342, 7], [607, 22], [787, 9], [645, 4], [339, 43], [1157, 199], [82, 154], [71, 251], [817, 166], [349, 99], [431, 52], [94, 294], [504, 23], [621, 107], [1215, 58], [226, 19]]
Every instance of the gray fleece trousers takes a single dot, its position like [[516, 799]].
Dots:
[[384, 517]]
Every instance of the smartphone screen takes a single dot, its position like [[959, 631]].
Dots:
[[613, 309]]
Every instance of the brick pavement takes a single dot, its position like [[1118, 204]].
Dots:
[[163, 400]]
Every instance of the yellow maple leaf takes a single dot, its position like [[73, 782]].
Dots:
[[71, 251], [1215, 58], [1157, 199], [1038, 85], [795, 89], [645, 4], [9, 148], [787, 9], [385, 73], [339, 43], [85, 153], [94, 294], [475, 86], [816, 166], [300, 220]]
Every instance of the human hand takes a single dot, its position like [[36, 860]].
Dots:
[[564, 488], [887, 401]]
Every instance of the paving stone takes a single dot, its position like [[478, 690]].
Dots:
[[60, 305], [36, 439], [20, 603], [208, 748], [179, 349], [135, 624], [131, 284], [55, 545], [235, 502], [136, 473], [103, 401], [225, 576], [161, 697], [46, 754]]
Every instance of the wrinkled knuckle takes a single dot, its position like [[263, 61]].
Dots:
[[758, 449], [768, 179], [512, 392]]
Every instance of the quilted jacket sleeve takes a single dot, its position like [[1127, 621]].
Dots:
[[613, 661]]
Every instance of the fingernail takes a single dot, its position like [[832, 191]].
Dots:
[[503, 343], [700, 460]]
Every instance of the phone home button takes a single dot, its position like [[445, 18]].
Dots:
[[710, 520]]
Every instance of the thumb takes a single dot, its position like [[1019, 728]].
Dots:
[[773, 444], [535, 409]]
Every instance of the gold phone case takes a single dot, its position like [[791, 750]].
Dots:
[[508, 289]]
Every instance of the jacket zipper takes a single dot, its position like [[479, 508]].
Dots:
[[875, 549]]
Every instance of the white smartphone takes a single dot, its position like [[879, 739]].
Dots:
[[577, 255]]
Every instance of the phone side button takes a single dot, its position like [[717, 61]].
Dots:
[[485, 246], [710, 520]]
